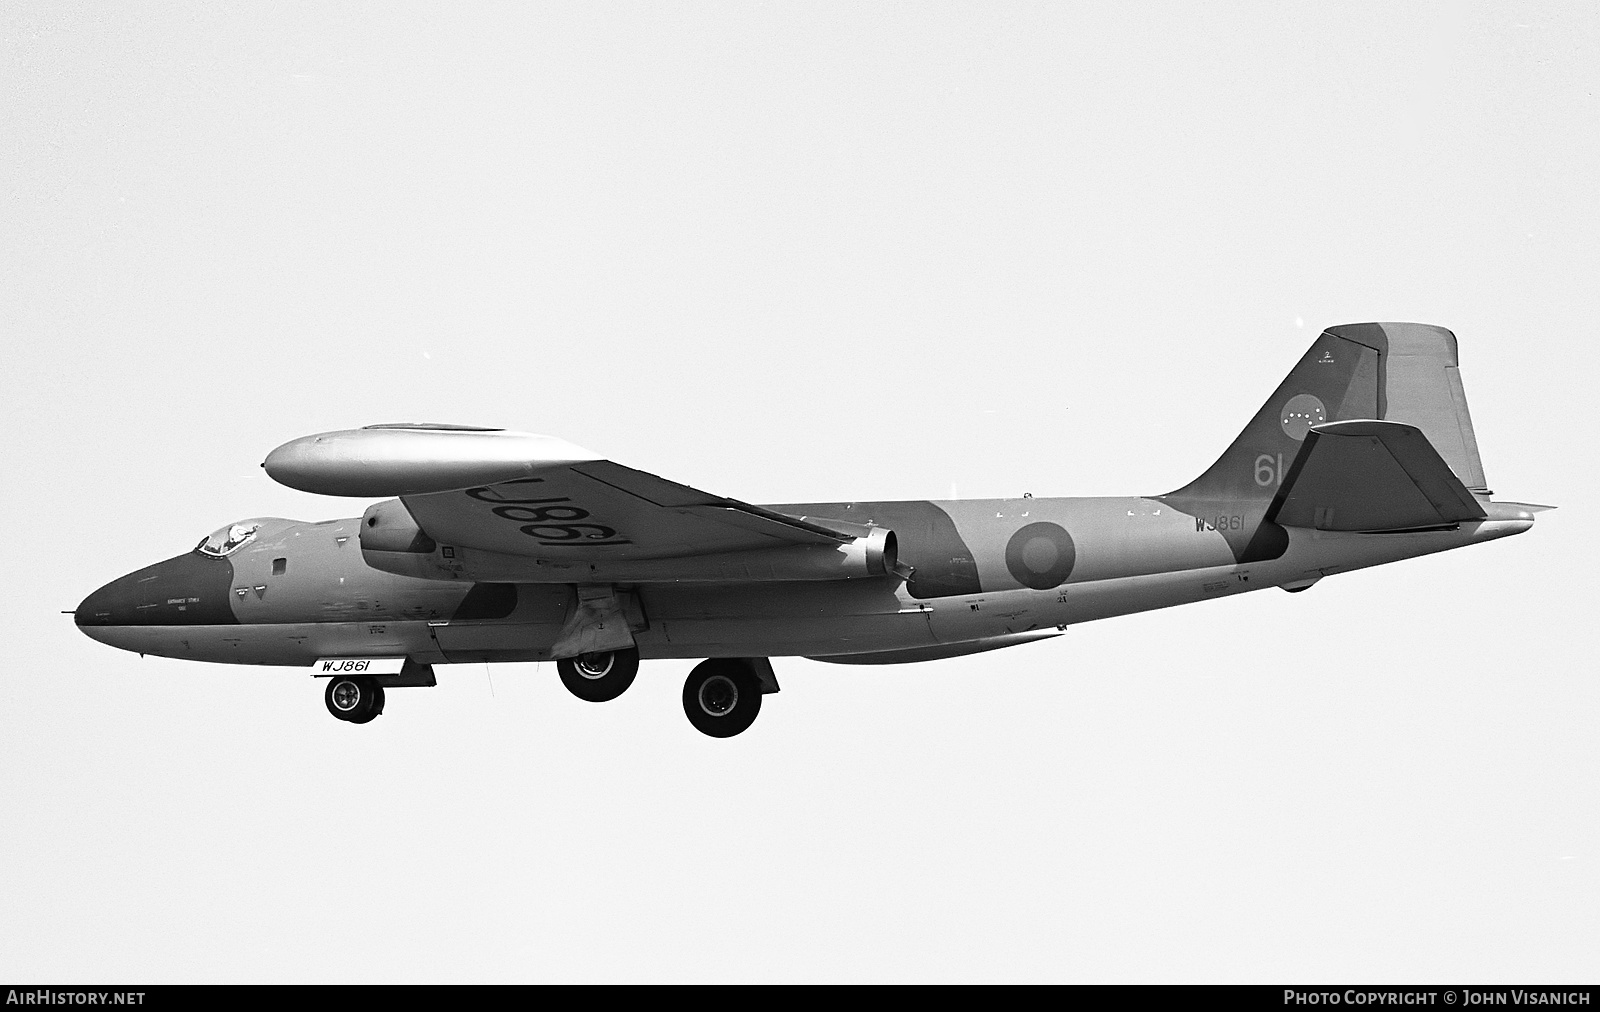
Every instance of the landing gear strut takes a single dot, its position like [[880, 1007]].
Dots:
[[357, 699], [599, 677], [722, 697]]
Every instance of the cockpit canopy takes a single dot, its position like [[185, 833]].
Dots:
[[229, 539]]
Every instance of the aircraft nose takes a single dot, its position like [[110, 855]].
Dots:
[[187, 590], [117, 603]]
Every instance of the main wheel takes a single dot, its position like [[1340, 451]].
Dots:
[[599, 677], [721, 697], [357, 700]]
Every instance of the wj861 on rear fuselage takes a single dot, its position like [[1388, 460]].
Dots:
[[502, 546]]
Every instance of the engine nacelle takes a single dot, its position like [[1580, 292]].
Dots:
[[389, 527], [392, 542]]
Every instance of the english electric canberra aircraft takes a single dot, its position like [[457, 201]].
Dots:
[[507, 546]]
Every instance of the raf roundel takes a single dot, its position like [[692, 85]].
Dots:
[[1041, 555], [1300, 414]]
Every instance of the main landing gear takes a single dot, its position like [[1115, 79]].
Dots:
[[722, 697], [357, 699], [601, 676]]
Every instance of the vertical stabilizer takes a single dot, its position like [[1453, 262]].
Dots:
[[1402, 372]]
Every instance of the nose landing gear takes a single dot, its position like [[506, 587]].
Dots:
[[722, 697], [357, 699], [599, 677]]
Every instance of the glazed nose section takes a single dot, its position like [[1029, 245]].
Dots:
[[188, 590]]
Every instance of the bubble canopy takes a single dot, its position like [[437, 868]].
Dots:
[[229, 539]]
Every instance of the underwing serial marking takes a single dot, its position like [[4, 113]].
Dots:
[[550, 524]]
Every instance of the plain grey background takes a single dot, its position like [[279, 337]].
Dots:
[[787, 253]]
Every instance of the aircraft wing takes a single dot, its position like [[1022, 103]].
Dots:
[[602, 510], [521, 494], [1371, 476]]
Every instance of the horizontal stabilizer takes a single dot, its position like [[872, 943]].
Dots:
[[1371, 476], [1531, 507]]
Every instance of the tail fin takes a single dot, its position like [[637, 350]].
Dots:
[[1400, 372]]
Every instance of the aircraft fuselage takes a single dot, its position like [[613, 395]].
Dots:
[[1000, 570]]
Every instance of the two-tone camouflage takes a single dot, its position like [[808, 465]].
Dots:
[[505, 547]]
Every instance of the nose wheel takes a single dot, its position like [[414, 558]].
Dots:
[[601, 676], [722, 697], [356, 700]]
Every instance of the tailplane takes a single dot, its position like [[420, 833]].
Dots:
[[1371, 476]]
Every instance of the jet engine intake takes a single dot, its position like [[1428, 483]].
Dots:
[[392, 542], [389, 527]]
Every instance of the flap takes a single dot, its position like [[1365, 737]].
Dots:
[[1371, 476]]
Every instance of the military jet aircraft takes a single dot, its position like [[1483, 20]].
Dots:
[[505, 546]]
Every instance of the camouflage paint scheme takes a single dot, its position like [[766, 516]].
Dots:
[[973, 574]]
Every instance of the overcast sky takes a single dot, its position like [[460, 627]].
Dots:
[[789, 253]]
